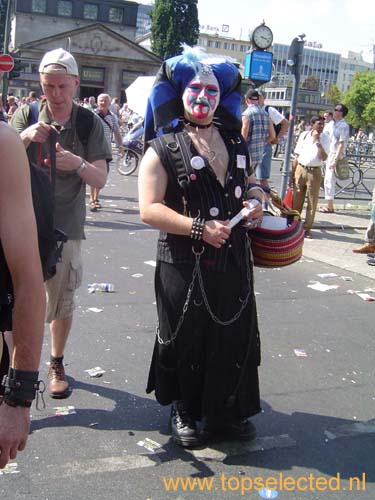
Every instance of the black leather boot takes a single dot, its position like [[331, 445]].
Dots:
[[184, 429]]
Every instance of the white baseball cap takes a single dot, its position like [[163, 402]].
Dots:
[[58, 57]]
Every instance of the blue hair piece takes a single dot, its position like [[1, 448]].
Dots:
[[165, 106]]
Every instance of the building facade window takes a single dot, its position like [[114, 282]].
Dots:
[[90, 11], [39, 6], [116, 15], [65, 8], [90, 74]]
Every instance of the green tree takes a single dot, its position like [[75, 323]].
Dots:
[[360, 100], [333, 94], [173, 22], [311, 83]]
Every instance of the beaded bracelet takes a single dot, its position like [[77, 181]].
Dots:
[[197, 229]]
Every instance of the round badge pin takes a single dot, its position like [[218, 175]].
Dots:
[[214, 211], [238, 192], [197, 162]]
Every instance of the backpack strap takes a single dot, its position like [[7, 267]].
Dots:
[[52, 139], [173, 150], [84, 125], [104, 120]]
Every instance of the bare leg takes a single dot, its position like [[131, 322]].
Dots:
[[60, 329]]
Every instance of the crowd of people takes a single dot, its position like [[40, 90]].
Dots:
[[204, 163]]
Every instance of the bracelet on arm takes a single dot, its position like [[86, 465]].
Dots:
[[197, 229], [21, 387]]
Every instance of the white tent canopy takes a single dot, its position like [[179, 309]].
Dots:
[[137, 94]]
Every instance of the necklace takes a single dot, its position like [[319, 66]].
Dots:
[[208, 152], [196, 125]]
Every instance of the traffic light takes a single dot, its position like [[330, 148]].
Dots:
[[18, 67], [295, 54]]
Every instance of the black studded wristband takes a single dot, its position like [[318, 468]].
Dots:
[[197, 229]]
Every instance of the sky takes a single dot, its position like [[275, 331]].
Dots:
[[339, 25]]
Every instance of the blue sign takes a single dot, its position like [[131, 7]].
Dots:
[[258, 66]]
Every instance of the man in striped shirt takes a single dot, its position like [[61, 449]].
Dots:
[[111, 131]]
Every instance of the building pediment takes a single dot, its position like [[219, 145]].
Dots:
[[95, 40]]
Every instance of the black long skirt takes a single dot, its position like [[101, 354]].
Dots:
[[211, 366]]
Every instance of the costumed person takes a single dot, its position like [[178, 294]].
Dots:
[[192, 181]]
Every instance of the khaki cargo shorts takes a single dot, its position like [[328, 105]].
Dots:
[[61, 288]]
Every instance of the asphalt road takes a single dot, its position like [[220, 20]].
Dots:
[[318, 407]]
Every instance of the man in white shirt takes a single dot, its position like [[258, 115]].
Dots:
[[311, 150], [339, 134]]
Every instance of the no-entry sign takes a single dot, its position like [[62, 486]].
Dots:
[[6, 62]]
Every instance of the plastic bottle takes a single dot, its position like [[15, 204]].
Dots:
[[100, 287]]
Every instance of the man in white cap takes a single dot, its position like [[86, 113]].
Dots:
[[80, 159]]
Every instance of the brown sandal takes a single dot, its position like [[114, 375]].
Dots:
[[97, 204], [93, 207]]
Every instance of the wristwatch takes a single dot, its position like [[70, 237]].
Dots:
[[318, 144], [82, 166]]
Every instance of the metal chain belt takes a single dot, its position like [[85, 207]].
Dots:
[[216, 319]]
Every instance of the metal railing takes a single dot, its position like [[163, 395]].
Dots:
[[361, 156]]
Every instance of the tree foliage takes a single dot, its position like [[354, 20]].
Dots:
[[311, 83], [333, 94], [173, 22], [360, 100]]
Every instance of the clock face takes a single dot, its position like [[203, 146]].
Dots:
[[262, 37]]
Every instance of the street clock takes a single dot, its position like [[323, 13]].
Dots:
[[262, 37]]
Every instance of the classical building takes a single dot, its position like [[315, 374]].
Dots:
[[99, 34], [143, 20], [45, 18]]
